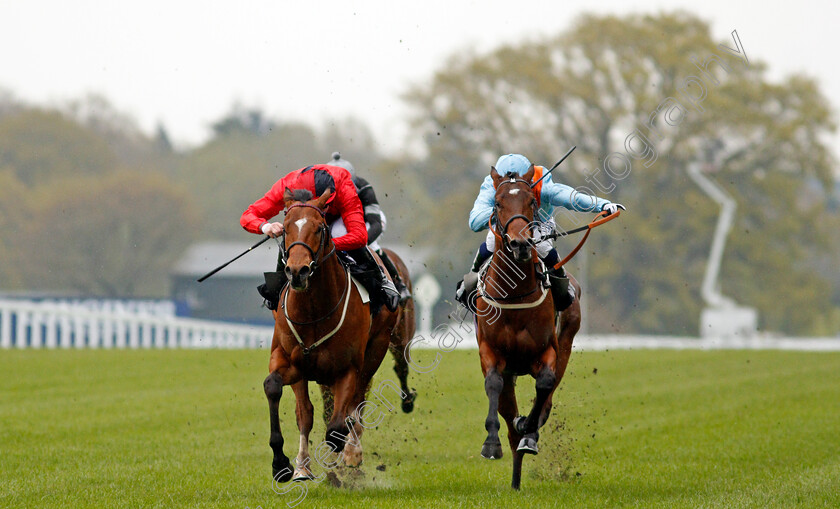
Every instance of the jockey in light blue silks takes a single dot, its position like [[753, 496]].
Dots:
[[552, 194]]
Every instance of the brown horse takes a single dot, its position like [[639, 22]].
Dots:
[[517, 331], [324, 333]]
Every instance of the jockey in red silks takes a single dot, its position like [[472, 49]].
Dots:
[[344, 214], [374, 221]]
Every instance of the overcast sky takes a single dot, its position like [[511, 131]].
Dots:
[[185, 63]]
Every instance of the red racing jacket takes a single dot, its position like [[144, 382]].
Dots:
[[343, 202]]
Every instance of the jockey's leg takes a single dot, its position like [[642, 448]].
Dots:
[[561, 291], [395, 274], [274, 283], [468, 284], [371, 276]]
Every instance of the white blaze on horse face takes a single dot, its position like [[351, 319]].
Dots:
[[514, 191], [300, 222]]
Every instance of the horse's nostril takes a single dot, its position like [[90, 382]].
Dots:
[[304, 271], [288, 272]]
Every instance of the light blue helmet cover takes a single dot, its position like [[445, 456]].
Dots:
[[512, 163]]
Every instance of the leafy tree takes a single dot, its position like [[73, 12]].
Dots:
[[14, 215], [116, 236], [641, 96], [38, 145], [230, 172]]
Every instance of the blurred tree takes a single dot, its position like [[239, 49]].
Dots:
[[114, 236], [241, 120], [39, 145], [623, 89], [14, 216], [232, 171], [132, 147]]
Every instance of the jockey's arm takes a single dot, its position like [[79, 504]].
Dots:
[[351, 213], [261, 211], [483, 206], [370, 208], [561, 195]]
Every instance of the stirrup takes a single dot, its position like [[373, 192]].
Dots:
[[403, 291]]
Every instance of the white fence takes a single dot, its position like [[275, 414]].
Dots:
[[31, 324], [153, 324]]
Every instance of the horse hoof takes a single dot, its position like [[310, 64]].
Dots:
[[519, 424], [408, 402], [281, 472], [528, 445], [302, 474], [491, 451], [335, 444], [352, 458]]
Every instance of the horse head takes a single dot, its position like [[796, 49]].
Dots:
[[513, 213], [306, 229]]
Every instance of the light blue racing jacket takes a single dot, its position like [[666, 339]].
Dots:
[[553, 195]]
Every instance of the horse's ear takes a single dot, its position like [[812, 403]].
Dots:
[[288, 198], [529, 175], [321, 201], [497, 179]]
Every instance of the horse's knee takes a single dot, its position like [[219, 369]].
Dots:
[[546, 380], [273, 386], [493, 382]]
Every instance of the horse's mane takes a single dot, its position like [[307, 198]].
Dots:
[[303, 195]]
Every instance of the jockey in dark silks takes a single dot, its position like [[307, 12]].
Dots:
[[549, 194], [345, 217], [374, 220]]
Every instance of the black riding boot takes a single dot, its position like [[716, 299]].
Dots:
[[368, 272], [561, 291], [274, 283], [469, 283], [270, 290], [395, 276]]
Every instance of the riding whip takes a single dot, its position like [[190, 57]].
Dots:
[[220, 267]]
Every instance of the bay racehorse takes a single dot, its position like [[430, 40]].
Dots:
[[324, 333], [517, 329]]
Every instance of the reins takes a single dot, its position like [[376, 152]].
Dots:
[[588, 228]]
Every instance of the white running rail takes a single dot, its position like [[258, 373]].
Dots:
[[33, 324]]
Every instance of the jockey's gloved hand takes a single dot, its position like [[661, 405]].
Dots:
[[612, 208], [273, 230]]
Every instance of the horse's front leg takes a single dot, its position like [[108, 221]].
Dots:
[[493, 385], [546, 382], [280, 374], [304, 411]]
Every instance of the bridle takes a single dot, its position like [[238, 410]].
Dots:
[[494, 218], [323, 231]]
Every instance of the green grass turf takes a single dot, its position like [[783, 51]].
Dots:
[[629, 429]]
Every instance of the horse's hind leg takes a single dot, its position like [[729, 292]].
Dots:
[[338, 427], [304, 411], [401, 369], [508, 410], [568, 327]]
